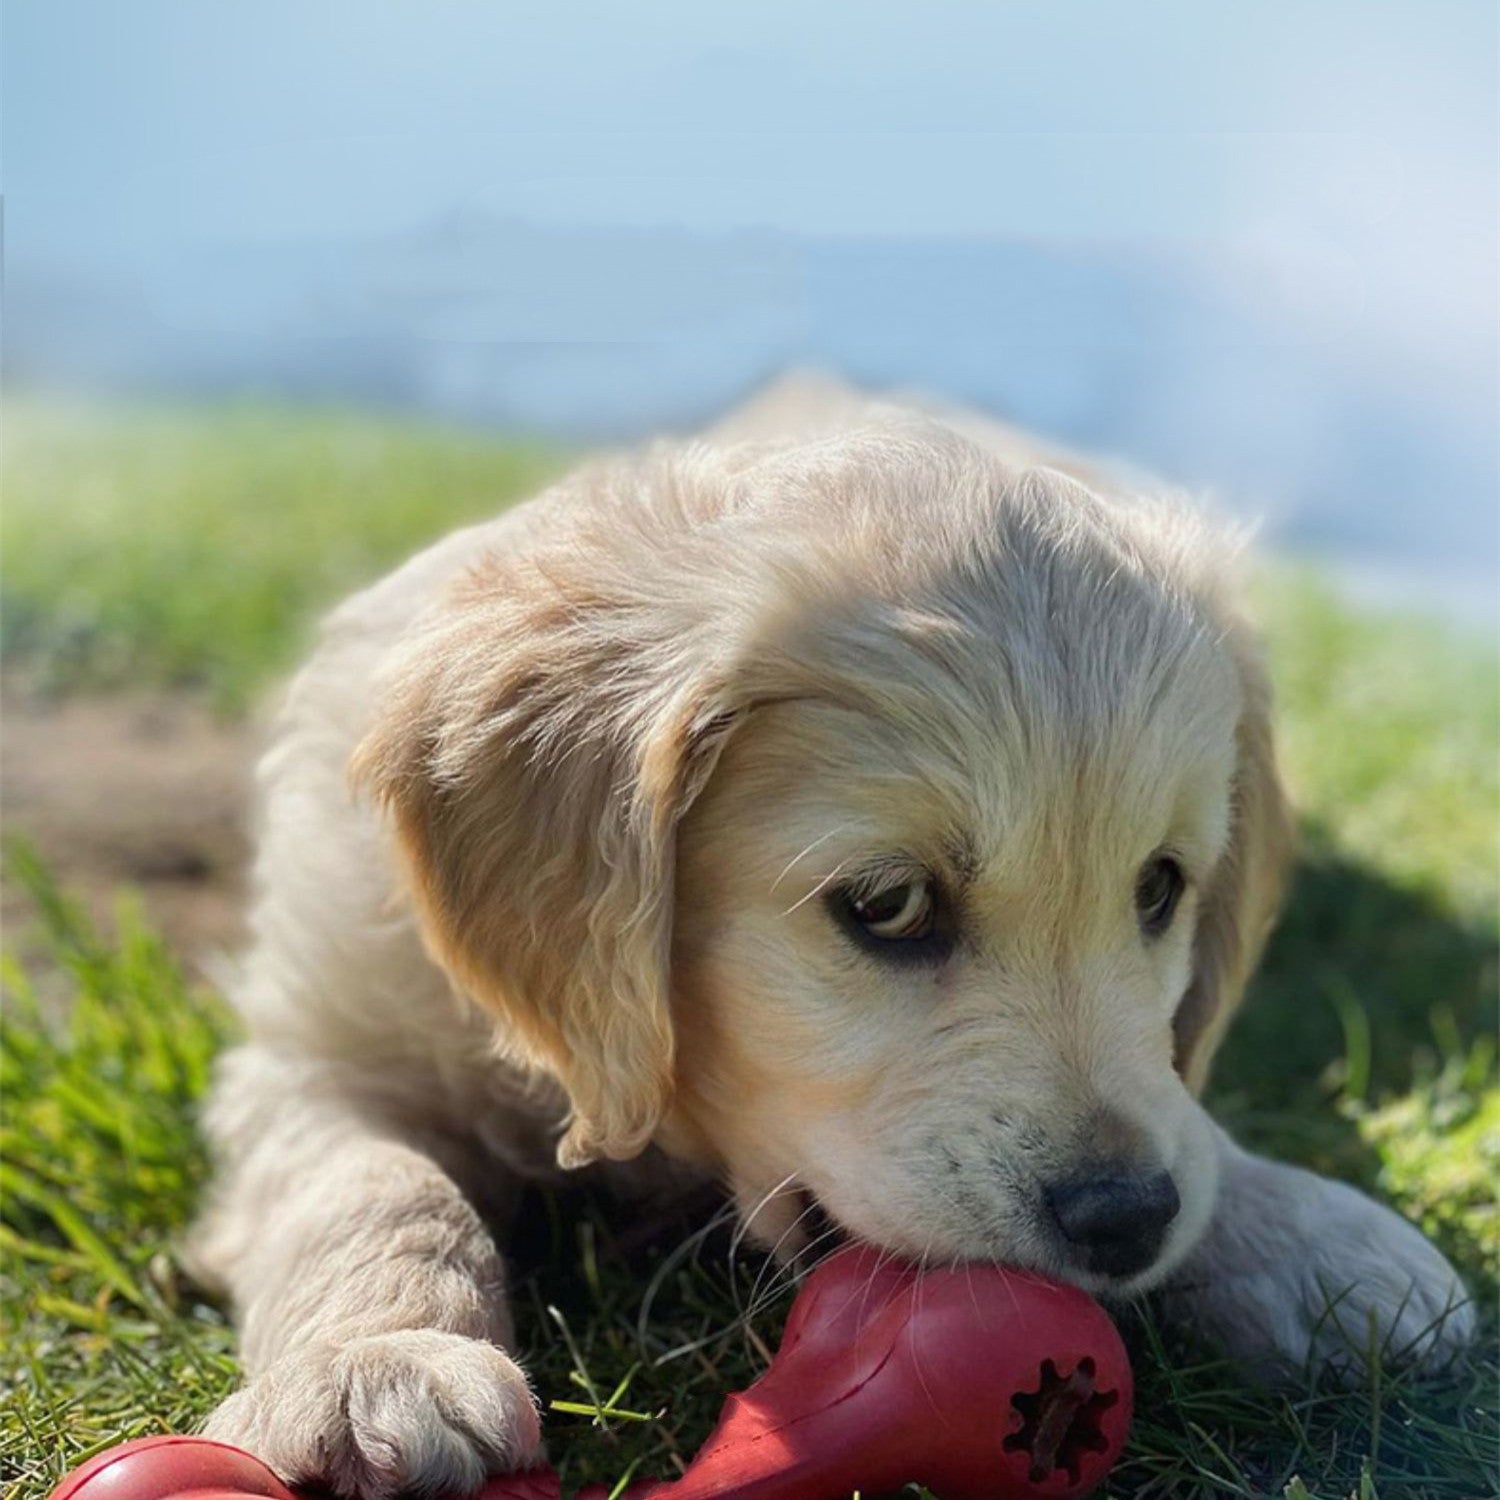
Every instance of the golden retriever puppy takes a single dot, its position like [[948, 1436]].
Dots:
[[847, 806]]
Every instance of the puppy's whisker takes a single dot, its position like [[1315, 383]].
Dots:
[[786, 1184], [818, 889], [881, 1259], [797, 859], [744, 1317], [675, 1257], [783, 1277], [916, 1313], [781, 1239]]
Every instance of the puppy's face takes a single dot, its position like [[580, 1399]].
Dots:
[[928, 963], [903, 869]]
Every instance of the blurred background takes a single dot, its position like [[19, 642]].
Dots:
[[1251, 248]]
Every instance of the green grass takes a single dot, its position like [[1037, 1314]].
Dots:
[[98, 1164], [165, 548], [191, 549]]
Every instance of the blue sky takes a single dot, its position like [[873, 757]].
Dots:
[[1281, 218], [142, 125]]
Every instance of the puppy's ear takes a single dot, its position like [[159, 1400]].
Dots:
[[1245, 889], [542, 735]]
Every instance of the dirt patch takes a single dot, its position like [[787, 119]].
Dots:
[[146, 791]]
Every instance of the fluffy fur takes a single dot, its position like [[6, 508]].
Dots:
[[549, 830]]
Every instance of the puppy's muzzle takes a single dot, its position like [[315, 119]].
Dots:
[[1114, 1221]]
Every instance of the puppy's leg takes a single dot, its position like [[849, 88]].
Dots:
[[1295, 1268], [371, 1297]]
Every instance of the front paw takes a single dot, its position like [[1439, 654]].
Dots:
[[1306, 1272], [417, 1410], [1380, 1287]]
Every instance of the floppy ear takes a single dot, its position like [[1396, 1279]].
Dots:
[[1245, 889], [542, 734]]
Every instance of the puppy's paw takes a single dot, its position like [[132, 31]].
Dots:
[[1310, 1273], [1378, 1286], [417, 1410]]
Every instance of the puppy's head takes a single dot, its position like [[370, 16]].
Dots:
[[870, 822]]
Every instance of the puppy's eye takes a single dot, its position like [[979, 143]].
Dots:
[[1158, 889], [898, 914]]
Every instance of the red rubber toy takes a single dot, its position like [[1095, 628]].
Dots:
[[171, 1468], [978, 1382]]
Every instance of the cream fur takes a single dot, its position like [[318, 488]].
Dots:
[[545, 830]]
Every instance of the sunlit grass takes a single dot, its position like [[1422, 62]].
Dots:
[[180, 549], [193, 549], [99, 1164]]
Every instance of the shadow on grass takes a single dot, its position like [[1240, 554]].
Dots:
[[1367, 990], [1363, 984]]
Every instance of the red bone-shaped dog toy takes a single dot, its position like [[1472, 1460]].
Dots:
[[978, 1382]]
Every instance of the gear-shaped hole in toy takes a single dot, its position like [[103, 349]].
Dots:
[[1060, 1421]]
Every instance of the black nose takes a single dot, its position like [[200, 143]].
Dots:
[[1115, 1220]]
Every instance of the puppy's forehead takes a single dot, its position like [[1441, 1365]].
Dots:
[[1033, 655]]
